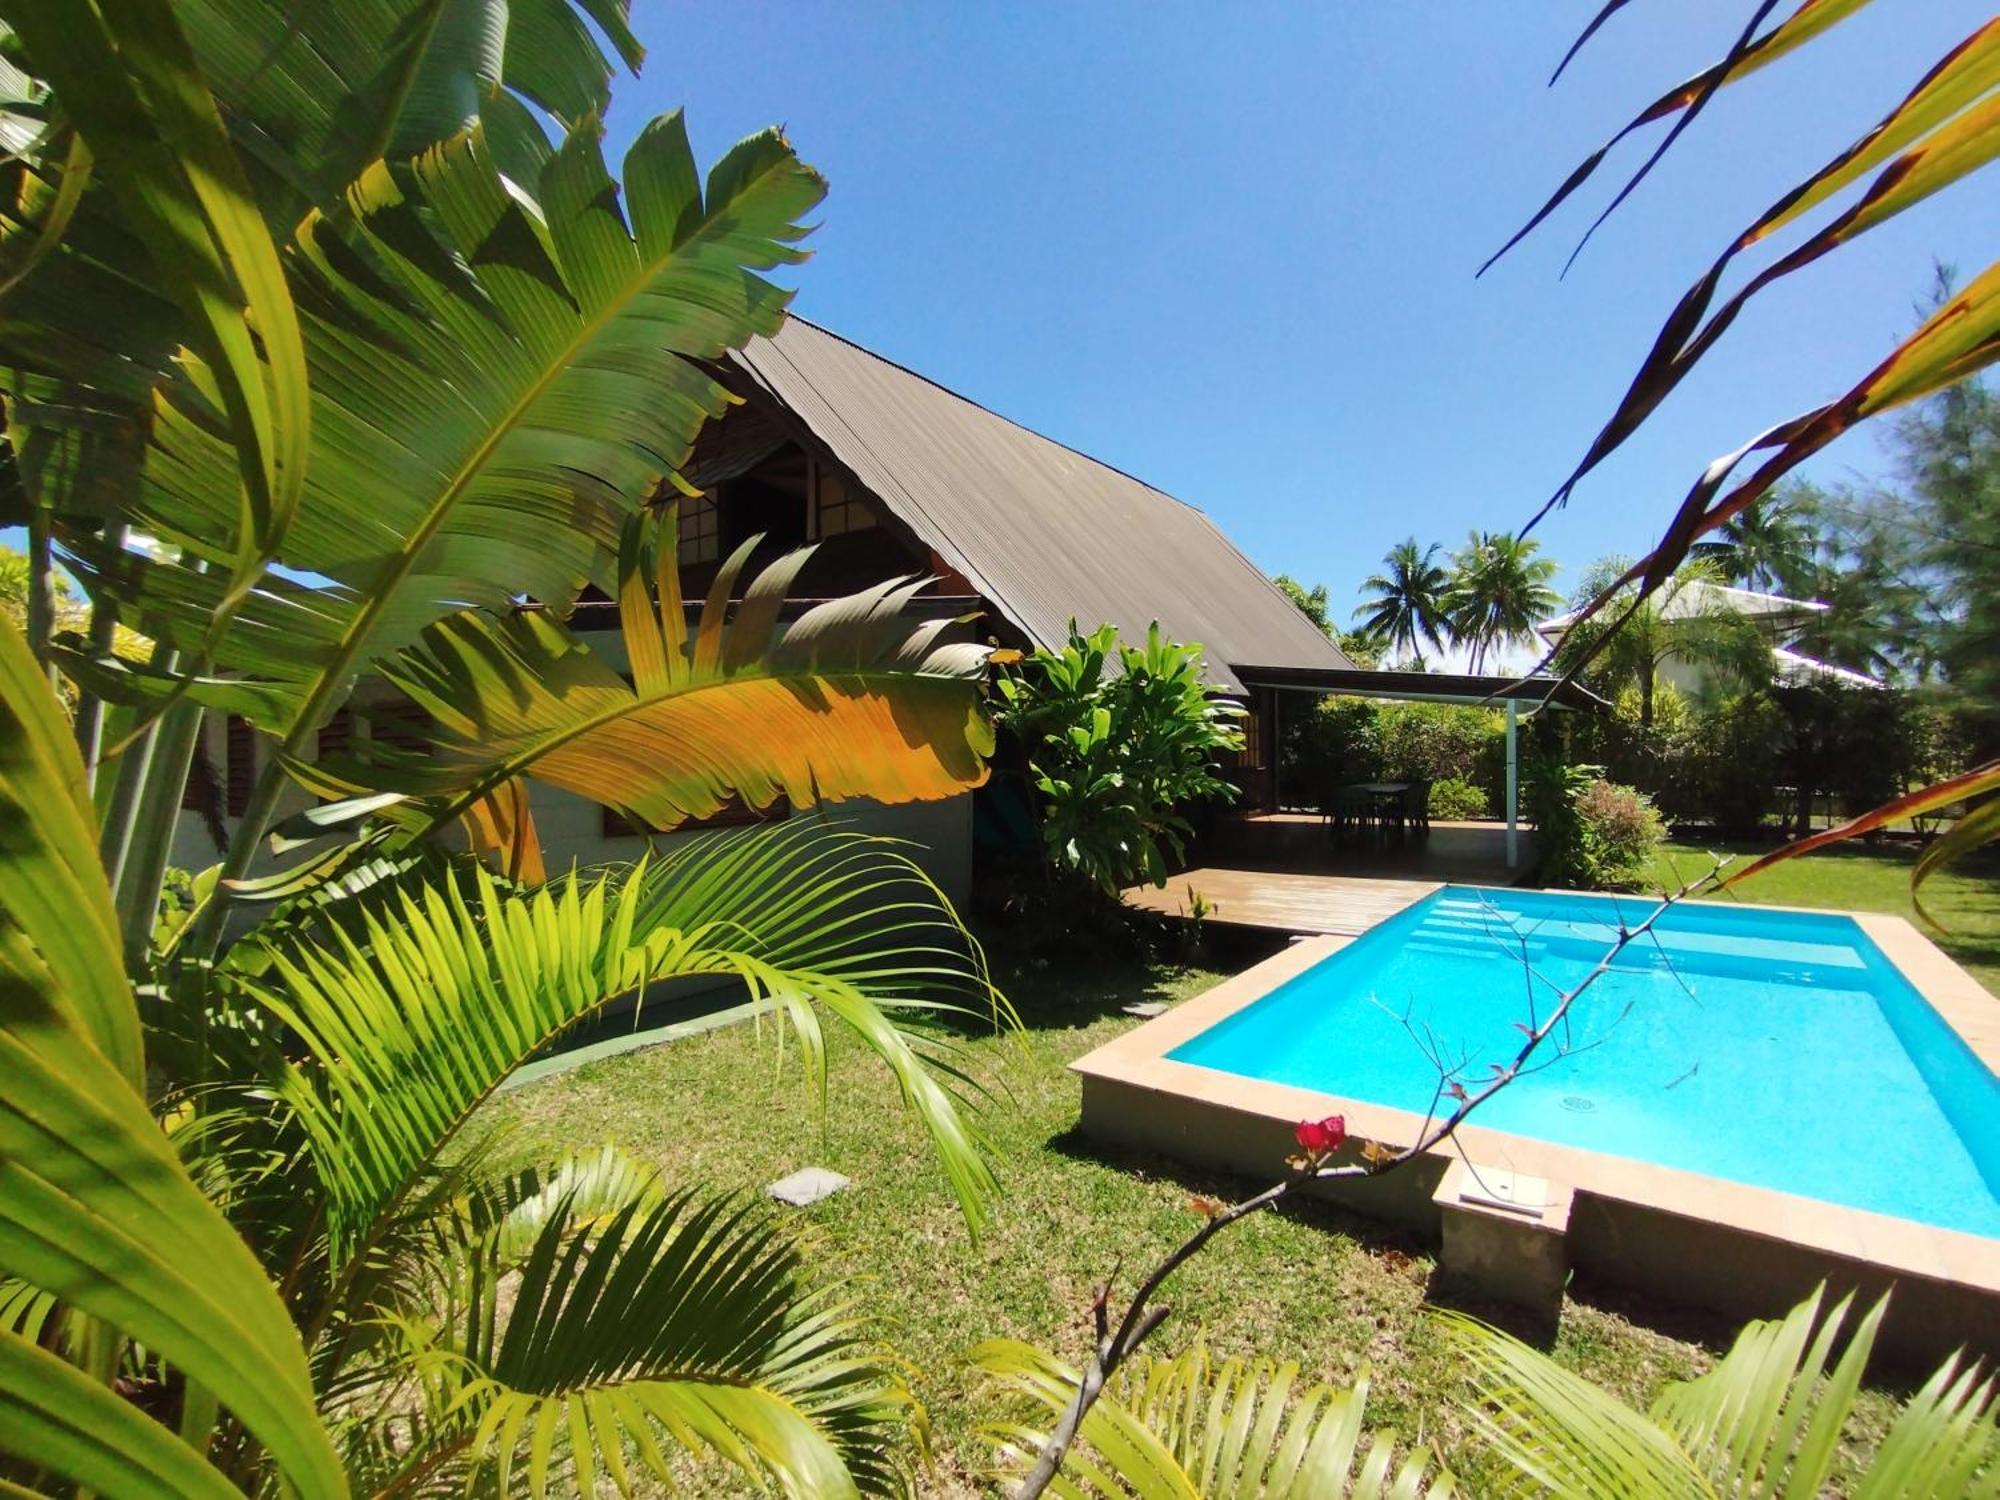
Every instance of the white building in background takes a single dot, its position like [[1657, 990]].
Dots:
[[1783, 622]]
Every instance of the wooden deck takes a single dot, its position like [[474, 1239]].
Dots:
[[1285, 901], [1469, 853], [1279, 872]]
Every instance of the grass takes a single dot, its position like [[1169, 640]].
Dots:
[[1310, 1284], [1965, 899]]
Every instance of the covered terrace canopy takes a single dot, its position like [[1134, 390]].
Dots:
[[1486, 690]]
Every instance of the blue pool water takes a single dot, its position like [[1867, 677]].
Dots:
[[1780, 1049]]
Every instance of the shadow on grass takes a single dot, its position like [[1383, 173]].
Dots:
[[1079, 986], [1400, 1250], [1402, 1247]]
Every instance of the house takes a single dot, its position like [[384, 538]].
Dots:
[[1780, 620], [887, 473]]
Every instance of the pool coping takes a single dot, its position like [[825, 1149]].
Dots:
[[1137, 1059]]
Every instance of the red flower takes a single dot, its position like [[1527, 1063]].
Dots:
[[1317, 1137]]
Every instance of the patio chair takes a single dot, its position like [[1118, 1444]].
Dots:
[[1346, 811], [1417, 806]]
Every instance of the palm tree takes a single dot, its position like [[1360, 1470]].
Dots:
[[1767, 546], [1499, 592], [1404, 603], [1169, 1429], [1687, 620]]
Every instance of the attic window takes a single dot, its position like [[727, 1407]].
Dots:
[[837, 505], [1252, 725], [700, 534]]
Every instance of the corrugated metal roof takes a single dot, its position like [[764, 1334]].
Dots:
[[1045, 533], [1686, 599], [1430, 687]]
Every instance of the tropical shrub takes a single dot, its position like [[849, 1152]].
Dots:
[[1550, 787], [308, 297], [1453, 798], [1621, 833], [1444, 742], [1631, 746], [1345, 739], [1590, 833], [1336, 740], [1881, 744], [1119, 757]]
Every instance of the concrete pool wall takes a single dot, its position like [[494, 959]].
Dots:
[[1736, 1249]]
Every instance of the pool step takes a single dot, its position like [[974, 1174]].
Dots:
[[1505, 1233]]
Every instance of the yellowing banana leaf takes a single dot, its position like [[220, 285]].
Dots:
[[1960, 80], [1945, 129], [501, 828], [852, 699], [1977, 827], [1687, 99]]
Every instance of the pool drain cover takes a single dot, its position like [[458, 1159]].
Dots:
[[1578, 1103]]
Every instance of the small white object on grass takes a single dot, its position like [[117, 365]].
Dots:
[[807, 1186], [1146, 1009]]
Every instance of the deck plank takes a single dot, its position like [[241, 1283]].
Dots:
[[1285, 901]]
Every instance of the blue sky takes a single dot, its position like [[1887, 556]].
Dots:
[[1230, 248]]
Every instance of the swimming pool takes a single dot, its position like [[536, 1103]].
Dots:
[[1759, 1102], [1774, 1048]]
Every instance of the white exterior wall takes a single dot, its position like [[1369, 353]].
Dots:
[[1689, 679], [939, 833]]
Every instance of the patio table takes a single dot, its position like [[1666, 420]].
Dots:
[[1374, 800]]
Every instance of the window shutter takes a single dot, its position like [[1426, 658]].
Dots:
[[240, 765]]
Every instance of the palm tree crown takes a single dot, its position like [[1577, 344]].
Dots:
[[1404, 603], [1499, 590], [1687, 620], [1766, 546]]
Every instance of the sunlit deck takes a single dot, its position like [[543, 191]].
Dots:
[[1280, 873]]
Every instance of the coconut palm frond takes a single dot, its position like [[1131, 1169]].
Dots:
[[1194, 1428]]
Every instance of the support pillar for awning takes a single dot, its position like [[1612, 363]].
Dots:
[[1513, 785]]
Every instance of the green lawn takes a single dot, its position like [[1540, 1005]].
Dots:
[[1853, 877], [1327, 1290]]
